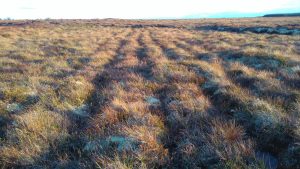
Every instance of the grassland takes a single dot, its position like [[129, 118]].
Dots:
[[150, 94]]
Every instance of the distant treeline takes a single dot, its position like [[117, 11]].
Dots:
[[282, 15]]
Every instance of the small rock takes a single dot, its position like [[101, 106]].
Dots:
[[92, 146], [122, 143], [85, 60], [219, 91], [83, 110], [14, 108], [122, 83], [120, 56], [153, 101]]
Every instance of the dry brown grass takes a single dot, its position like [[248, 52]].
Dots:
[[149, 94]]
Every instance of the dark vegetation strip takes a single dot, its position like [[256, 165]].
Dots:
[[129, 118], [258, 30], [73, 146], [215, 113], [161, 93], [268, 138], [146, 65], [184, 129]]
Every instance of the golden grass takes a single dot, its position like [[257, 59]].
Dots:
[[148, 94], [32, 135]]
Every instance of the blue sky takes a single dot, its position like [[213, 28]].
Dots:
[[142, 9]]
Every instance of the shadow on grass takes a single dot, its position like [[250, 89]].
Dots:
[[253, 85], [145, 64], [258, 30], [274, 137], [177, 132], [69, 152]]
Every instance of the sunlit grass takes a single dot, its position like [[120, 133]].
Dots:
[[88, 95]]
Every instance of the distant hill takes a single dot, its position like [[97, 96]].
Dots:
[[282, 15]]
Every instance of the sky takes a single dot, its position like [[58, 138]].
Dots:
[[142, 9]]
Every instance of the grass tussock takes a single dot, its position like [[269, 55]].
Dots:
[[31, 135]]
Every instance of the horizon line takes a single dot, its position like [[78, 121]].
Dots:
[[189, 17]]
